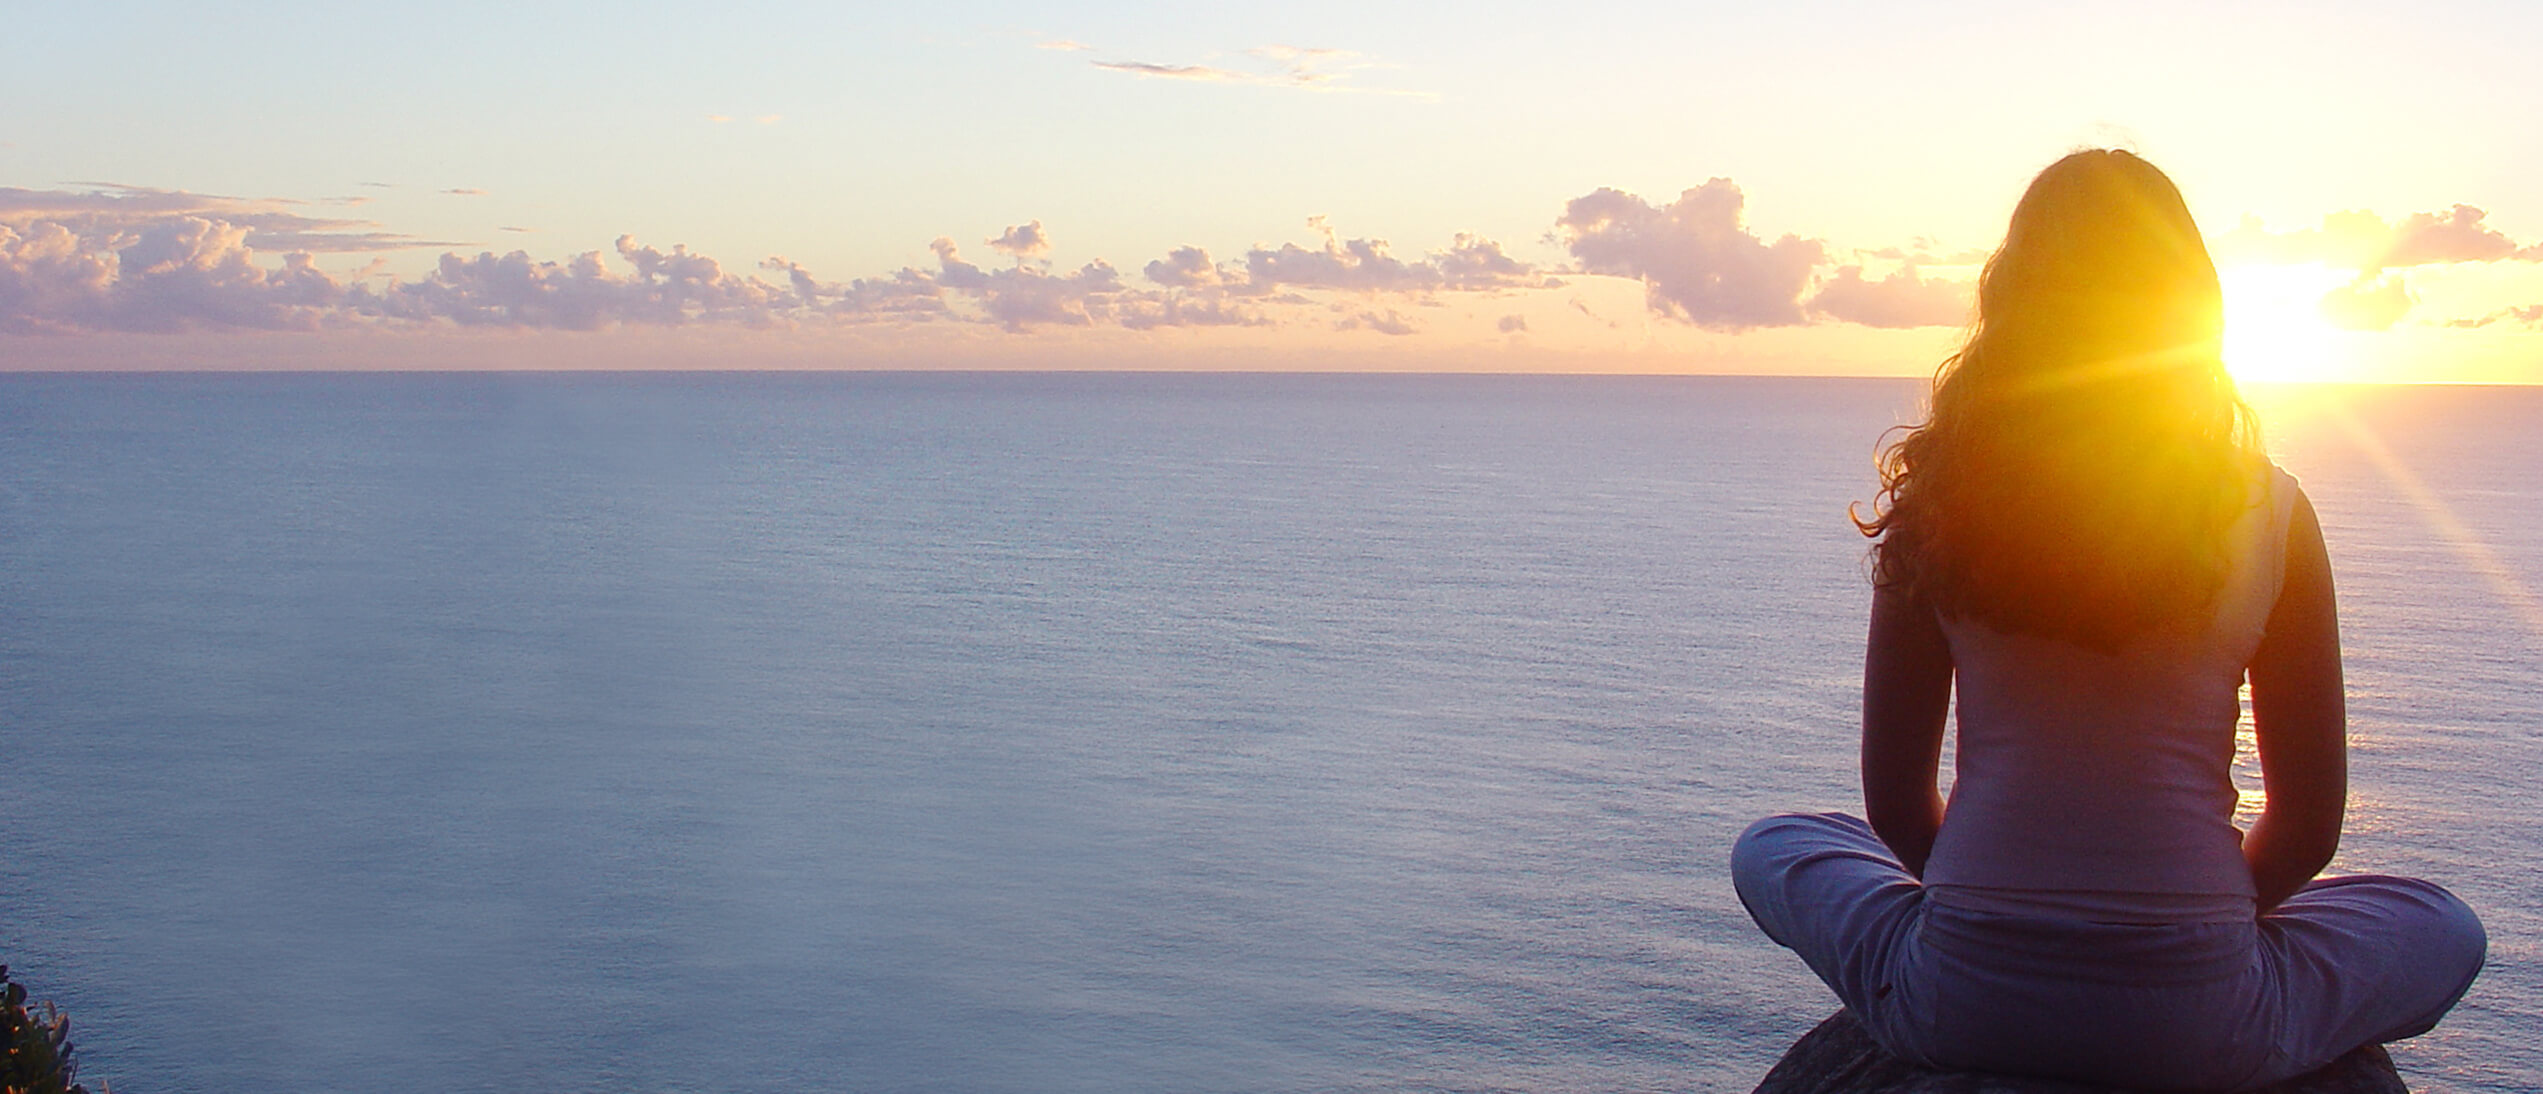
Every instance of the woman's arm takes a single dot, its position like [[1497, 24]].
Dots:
[[1906, 697], [2300, 718]]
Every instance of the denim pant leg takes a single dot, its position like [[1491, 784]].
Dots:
[[1824, 886]]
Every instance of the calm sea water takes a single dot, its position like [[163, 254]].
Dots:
[[1046, 733]]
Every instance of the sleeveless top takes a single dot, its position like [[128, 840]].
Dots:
[[2094, 785]]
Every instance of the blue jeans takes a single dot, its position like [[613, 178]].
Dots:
[[2345, 962]]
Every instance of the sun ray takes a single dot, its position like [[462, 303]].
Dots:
[[2467, 543]]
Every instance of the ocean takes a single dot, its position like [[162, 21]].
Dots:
[[1050, 732]]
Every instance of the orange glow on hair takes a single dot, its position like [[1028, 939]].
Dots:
[[2085, 449]]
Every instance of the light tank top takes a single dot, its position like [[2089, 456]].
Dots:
[[2094, 785]]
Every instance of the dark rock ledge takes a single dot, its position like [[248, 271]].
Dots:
[[1839, 1058]]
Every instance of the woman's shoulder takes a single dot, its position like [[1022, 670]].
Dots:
[[2272, 489], [2266, 471]]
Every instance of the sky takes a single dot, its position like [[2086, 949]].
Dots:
[[1597, 187]]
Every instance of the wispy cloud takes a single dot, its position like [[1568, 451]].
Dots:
[[1063, 44], [107, 209], [465, 191], [1388, 322], [2530, 315], [1293, 67], [1203, 73]]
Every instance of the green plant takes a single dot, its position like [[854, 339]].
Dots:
[[38, 1045]]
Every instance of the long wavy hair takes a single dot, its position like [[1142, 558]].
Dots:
[[2085, 450]]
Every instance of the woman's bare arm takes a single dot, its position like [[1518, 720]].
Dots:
[[2300, 719], [1906, 697]]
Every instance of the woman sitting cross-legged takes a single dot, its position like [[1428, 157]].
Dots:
[[2084, 542]]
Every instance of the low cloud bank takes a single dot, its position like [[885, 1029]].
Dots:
[[152, 261], [121, 258]]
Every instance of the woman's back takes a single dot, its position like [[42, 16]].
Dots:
[[2098, 783]]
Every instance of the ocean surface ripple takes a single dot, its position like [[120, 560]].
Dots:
[[1047, 733]]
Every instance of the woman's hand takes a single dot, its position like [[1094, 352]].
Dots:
[[2300, 719], [1906, 698]]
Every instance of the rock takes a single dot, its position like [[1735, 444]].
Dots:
[[1839, 1058]]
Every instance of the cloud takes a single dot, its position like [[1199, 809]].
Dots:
[[49, 280], [107, 211], [114, 201], [1358, 265], [1388, 323], [1203, 73], [1296, 55], [1293, 67], [465, 191], [907, 295], [1366, 265], [1904, 298], [1184, 268], [178, 273], [2530, 315], [719, 119], [1925, 251], [1196, 291], [116, 261], [2457, 235], [2360, 240], [1022, 241], [335, 241], [1473, 262], [511, 228], [1695, 260], [1063, 44], [1024, 296], [582, 293], [2369, 303], [128, 258], [1149, 311]]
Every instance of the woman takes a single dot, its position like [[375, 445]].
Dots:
[[2084, 542]]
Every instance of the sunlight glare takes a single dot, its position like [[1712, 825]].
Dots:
[[2476, 553], [2274, 329]]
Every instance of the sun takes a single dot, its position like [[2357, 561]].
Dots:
[[2274, 328]]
